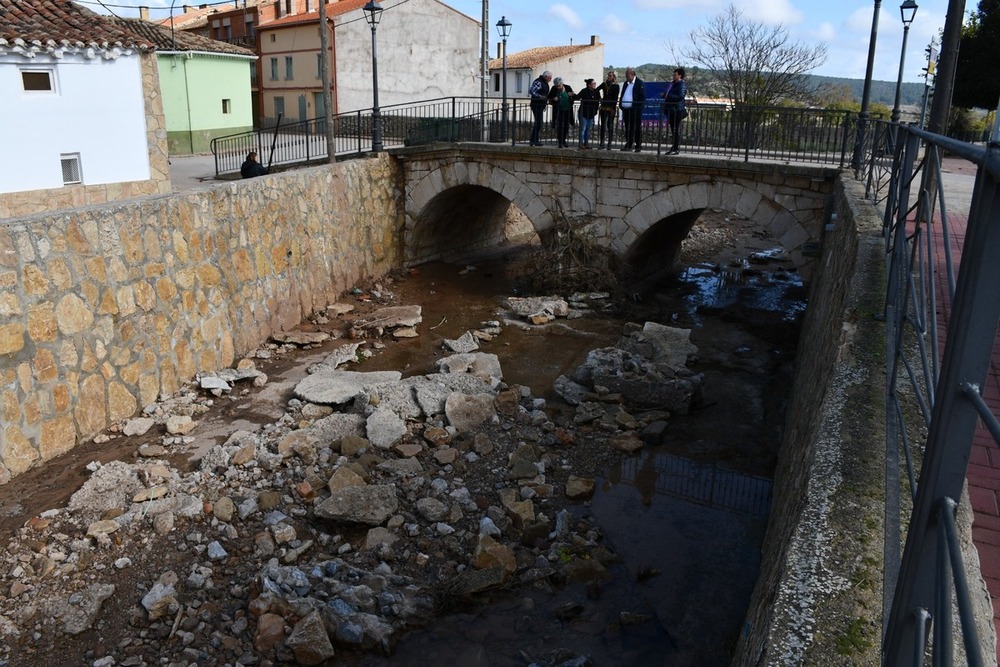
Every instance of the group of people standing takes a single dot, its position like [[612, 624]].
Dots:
[[605, 100]]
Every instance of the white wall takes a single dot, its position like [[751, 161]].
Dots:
[[425, 50], [588, 64], [96, 111]]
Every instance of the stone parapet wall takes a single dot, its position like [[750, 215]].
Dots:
[[104, 308]]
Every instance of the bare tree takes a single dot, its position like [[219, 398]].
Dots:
[[754, 64]]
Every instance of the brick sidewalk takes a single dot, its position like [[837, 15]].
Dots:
[[983, 474]]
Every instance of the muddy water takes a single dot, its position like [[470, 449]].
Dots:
[[687, 517]]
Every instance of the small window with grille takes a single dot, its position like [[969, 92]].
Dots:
[[71, 168]]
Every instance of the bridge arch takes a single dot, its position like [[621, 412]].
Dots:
[[440, 202], [664, 219]]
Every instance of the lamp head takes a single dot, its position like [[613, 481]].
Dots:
[[503, 27], [373, 12], [908, 10]]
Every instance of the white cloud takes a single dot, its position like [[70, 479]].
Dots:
[[676, 4], [826, 31], [614, 25], [566, 15], [769, 11]]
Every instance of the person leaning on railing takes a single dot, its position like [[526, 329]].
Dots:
[[632, 100], [539, 100]]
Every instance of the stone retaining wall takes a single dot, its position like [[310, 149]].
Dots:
[[818, 595], [104, 308]]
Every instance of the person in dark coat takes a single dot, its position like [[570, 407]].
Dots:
[[251, 167], [539, 92], [632, 100], [561, 96], [590, 101], [609, 90], [673, 108]]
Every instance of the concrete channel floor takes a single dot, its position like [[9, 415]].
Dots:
[[197, 172]]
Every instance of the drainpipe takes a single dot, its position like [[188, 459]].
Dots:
[[187, 100]]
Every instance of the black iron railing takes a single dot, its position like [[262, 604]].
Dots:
[[768, 133]]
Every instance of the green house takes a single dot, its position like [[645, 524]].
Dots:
[[204, 83]]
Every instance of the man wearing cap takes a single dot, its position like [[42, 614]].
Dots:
[[590, 102], [539, 92]]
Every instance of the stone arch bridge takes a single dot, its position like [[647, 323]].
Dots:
[[640, 206]]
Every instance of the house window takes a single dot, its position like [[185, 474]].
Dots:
[[288, 7], [274, 69], [279, 106], [308, 6], [38, 80], [253, 74], [273, 36], [70, 168], [496, 83], [289, 69], [319, 65], [227, 106], [519, 82]]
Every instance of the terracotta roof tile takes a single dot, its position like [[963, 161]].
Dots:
[[539, 55], [332, 9], [181, 40], [53, 23], [196, 17]]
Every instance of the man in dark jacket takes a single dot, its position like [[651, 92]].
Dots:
[[251, 167], [632, 100], [539, 91]]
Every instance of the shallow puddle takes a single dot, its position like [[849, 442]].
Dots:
[[687, 517]]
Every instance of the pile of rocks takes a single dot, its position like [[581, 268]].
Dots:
[[368, 507]]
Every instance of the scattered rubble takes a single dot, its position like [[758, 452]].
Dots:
[[373, 504]]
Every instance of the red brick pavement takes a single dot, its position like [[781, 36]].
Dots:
[[984, 464]]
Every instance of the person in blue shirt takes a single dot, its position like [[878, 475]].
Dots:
[[674, 110]]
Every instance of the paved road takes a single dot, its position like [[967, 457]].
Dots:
[[192, 172]]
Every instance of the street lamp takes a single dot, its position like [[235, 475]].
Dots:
[[907, 10], [863, 116], [373, 13], [503, 27]]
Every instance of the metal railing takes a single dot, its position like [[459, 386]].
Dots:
[[938, 384], [767, 133]]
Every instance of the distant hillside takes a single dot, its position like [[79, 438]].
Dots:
[[884, 92]]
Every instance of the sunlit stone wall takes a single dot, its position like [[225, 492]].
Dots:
[[104, 308]]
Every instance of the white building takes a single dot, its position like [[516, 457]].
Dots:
[[75, 118], [426, 49], [572, 63]]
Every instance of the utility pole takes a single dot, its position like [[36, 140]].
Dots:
[[324, 73], [944, 87], [484, 66]]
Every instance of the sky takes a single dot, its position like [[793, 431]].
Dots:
[[636, 32]]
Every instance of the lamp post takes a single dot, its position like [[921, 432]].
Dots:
[[503, 27], [373, 13], [863, 116], [907, 10]]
